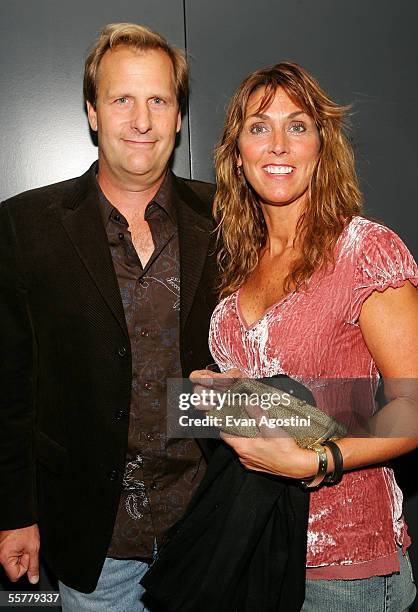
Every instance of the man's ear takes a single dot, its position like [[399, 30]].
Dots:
[[178, 127], [92, 115]]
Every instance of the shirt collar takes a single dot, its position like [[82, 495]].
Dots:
[[163, 198]]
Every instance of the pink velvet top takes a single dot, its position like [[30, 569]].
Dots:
[[313, 335]]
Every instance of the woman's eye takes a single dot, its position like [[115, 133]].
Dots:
[[258, 128], [297, 128]]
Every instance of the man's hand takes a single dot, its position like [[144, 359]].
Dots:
[[19, 553]]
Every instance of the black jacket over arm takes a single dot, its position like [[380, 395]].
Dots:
[[66, 366], [241, 545]]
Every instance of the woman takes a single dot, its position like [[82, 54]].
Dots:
[[313, 290]]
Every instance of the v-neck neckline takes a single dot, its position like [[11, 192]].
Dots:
[[241, 317]]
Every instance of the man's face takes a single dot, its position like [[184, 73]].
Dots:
[[136, 116]]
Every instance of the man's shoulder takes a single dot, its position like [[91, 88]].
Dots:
[[202, 189], [197, 194], [42, 197]]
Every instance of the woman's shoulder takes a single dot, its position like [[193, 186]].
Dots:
[[361, 228], [367, 237], [369, 253], [377, 258]]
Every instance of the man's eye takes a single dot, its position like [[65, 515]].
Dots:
[[297, 128], [121, 101], [258, 128], [158, 101]]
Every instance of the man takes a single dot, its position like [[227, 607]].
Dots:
[[106, 290]]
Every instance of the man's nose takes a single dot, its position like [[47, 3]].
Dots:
[[141, 117]]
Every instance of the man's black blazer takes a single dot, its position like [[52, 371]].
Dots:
[[66, 365]]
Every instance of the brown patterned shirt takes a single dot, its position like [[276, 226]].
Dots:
[[160, 474]]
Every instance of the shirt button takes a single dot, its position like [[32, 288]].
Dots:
[[113, 475], [121, 236], [154, 485], [147, 386], [122, 351], [117, 218], [144, 333], [149, 437]]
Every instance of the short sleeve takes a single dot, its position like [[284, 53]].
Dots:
[[383, 261]]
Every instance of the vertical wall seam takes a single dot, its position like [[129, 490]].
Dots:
[[186, 50]]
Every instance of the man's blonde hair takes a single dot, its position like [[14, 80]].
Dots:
[[143, 39]]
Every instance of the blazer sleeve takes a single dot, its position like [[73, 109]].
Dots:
[[17, 465]]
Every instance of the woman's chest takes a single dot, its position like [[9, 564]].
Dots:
[[265, 287], [305, 334]]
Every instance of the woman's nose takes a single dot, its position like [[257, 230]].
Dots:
[[279, 142]]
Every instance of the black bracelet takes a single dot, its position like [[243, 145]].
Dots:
[[337, 474]]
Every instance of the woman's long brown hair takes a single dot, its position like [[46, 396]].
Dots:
[[333, 195]]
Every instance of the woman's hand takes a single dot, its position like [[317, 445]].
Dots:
[[274, 451], [279, 455]]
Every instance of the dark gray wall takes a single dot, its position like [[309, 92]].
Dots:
[[363, 53]]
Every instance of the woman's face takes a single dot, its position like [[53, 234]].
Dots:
[[278, 149]]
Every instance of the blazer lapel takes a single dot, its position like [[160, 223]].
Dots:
[[84, 226], [194, 240]]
